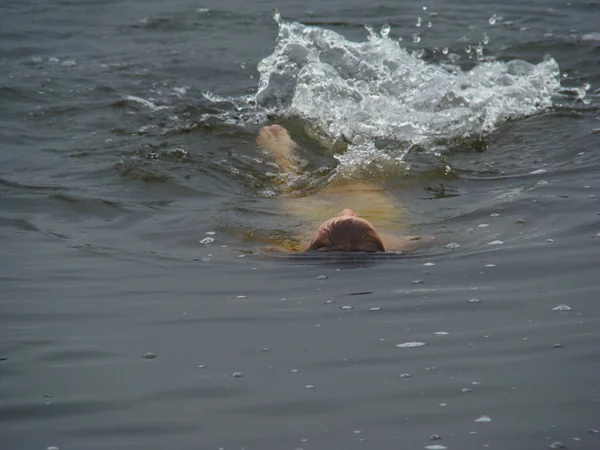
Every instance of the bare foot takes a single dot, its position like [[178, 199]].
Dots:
[[276, 140]]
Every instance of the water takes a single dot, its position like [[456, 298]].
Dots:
[[135, 309]]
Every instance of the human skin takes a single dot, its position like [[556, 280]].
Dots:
[[361, 201]]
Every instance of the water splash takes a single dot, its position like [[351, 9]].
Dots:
[[364, 91]]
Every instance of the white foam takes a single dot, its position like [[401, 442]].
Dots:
[[376, 89]]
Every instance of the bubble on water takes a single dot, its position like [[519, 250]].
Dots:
[[309, 386], [562, 308], [435, 437], [357, 431], [483, 419], [207, 240], [494, 215], [385, 30], [405, 375], [495, 243], [453, 246], [266, 349], [549, 241], [557, 345], [441, 333], [465, 390], [202, 366], [52, 447], [474, 300], [322, 277], [519, 221], [410, 344], [429, 264], [149, 355], [375, 308], [418, 53], [418, 282], [241, 297], [294, 370], [346, 307], [490, 265], [483, 225], [436, 447], [557, 444], [237, 374], [329, 302]]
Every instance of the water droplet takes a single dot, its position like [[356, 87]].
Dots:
[[429, 264], [557, 444], [495, 243], [441, 333], [405, 375], [494, 215], [418, 282], [416, 38], [375, 308], [465, 390], [276, 16], [418, 23], [52, 447], [385, 30], [410, 344], [483, 419], [445, 50], [474, 300], [549, 241], [436, 447], [207, 240], [322, 277], [490, 265], [483, 225], [237, 374], [310, 386], [294, 370], [562, 308], [329, 302], [593, 431], [453, 246], [266, 349], [202, 366], [357, 431], [492, 20], [210, 233], [243, 65], [519, 221], [346, 307], [241, 297], [435, 437], [557, 345], [486, 39], [149, 355]]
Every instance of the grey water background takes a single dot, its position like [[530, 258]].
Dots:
[[104, 199]]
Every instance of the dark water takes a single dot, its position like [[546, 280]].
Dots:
[[114, 165]]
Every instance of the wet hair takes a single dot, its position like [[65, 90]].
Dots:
[[347, 234]]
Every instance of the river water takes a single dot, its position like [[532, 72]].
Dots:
[[137, 308]]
